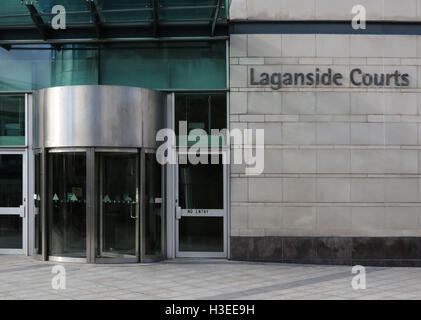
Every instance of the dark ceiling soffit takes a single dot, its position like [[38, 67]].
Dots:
[[109, 33], [323, 27], [58, 43]]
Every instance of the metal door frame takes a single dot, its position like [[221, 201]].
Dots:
[[179, 213]]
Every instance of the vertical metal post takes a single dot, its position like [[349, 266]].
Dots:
[[228, 146], [43, 204], [90, 205], [169, 185], [142, 206], [29, 169]]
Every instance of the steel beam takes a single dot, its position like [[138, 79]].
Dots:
[[215, 13], [155, 8], [36, 18], [94, 16]]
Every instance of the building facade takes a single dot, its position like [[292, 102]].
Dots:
[[82, 108], [341, 181]]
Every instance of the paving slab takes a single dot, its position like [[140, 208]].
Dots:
[[24, 277]]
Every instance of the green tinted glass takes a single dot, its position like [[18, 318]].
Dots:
[[74, 65], [114, 11], [44, 7], [12, 120], [190, 9], [12, 11], [25, 68], [165, 66], [162, 66]]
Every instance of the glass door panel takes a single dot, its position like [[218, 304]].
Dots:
[[11, 201], [201, 210], [12, 120], [201, 234], [67, 201], [10, 232], [11, 180], [200, 186], [118, 205]]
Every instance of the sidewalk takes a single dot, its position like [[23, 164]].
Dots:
[[25, 278]]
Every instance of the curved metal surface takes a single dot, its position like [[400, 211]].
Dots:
[[97, 116]]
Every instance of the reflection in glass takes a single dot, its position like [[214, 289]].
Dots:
[[25, 68], [118, 183], [12, 120], [74, 64], [201, 234], [201, 186], [154, 216], [67, 200], [10, 180], [10, 232]]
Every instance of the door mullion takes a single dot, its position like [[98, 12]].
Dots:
[[140, 221], [90, 206]]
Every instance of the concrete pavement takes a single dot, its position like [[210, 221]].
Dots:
[[26, 278]]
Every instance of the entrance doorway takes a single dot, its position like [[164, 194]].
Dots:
[[201, 207], [94, 150], [99, 206], [13, 181]]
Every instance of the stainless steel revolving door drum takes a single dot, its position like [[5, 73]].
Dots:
[[97, 116], [93, 142]]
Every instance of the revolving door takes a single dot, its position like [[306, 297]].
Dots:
[[103, 195]]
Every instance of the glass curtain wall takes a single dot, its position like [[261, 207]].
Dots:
[[74, 65], [82, 15], [12, 120], [161, 66]]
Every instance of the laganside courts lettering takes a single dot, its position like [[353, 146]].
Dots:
[[357, 76]]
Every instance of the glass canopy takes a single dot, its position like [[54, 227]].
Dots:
[[114, 18]]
